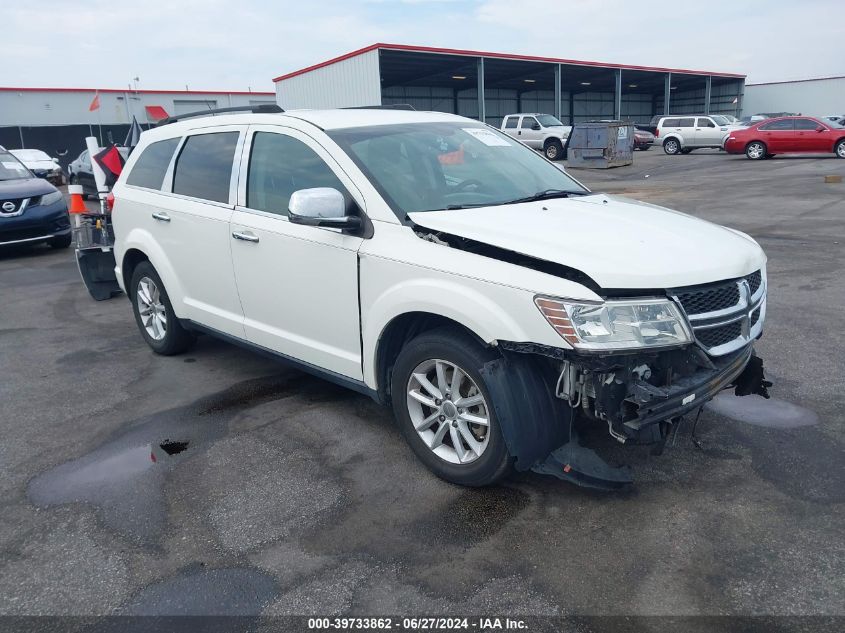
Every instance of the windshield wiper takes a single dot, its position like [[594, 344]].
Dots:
[[547, 194]]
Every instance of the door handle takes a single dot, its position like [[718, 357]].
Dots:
[[246, 237], [161, 217]]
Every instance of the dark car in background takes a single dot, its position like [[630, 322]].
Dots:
[[31, 209], [81, 172]]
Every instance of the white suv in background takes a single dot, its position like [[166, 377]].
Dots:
[[444, 269], [680, 134], [538, 131]]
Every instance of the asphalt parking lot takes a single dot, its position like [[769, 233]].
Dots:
[[287, 495]]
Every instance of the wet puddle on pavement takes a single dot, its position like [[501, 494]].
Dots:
[[124, 477], [756, 410]]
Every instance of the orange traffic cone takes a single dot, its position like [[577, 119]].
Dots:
[[77, 205]]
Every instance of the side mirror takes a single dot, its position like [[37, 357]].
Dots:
[[821, 128], [321, 206], [536, 127]]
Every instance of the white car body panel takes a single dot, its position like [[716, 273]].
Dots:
[[620, 243]]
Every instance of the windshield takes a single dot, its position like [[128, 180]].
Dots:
[[719, 119], [11, 168], [547, 120], [437, 166]]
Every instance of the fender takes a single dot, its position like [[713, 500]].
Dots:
[[142, 240], [456, 301]]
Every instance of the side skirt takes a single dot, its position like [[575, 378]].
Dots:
[[333, 377]]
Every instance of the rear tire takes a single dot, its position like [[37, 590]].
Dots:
[[671, 146], [154, 313], [553, 150], [432, 430], [839, 149], [756, 150]]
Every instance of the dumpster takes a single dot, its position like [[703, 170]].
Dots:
[[601, 144]]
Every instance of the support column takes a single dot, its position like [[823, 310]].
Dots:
[[482, 109], [571, 107], [708, 89], [558, 92], [20, 133], [667, 91], [617, 100]]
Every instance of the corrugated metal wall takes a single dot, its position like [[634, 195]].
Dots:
[[818, 97], [350, 82]]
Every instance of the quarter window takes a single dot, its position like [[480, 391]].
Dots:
[[781, 125], [670, 122], [278, 166], [152, 164], [204, 167]]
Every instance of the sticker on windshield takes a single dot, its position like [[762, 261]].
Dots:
[[15, 166], [487, 137]]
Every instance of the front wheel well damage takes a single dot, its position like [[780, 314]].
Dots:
[[397, 333]]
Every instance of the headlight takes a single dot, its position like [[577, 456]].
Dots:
[[51, 198], [613, 325]]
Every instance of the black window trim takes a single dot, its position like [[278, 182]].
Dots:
[[167, 186], [347, 181]]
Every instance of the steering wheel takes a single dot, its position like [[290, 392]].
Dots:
[[466, 183]]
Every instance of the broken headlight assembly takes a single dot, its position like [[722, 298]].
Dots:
[[616, 324]]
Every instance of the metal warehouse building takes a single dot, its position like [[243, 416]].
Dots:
[[820, 97], [487, 86], [57, 120]]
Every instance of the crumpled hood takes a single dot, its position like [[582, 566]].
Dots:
[[618, 242]]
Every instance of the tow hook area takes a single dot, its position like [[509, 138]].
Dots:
[[582, 466]]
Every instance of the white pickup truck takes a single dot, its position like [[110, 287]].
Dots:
[[538, 131], [446, 270]]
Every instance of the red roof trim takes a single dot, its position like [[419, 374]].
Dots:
[[127, 90], [531, 58], [796, 81]]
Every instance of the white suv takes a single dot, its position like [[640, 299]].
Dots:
[[443, 268], [681, 134]]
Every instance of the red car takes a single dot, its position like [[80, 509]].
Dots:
[[787, 135]]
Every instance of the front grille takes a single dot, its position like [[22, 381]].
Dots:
[[710, 299], [723, 314], [754, 280], [715, 336], [17, 202]]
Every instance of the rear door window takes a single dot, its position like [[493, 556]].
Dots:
[[670, 122], [152, 164], [510, 122], [690, 122], [204, 167]]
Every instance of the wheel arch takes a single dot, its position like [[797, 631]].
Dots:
[[398, 332], [140, 246]]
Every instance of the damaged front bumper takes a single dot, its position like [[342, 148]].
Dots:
[[637, 396]]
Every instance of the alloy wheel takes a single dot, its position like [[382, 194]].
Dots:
[[151, 308], [840, 150], [755, 151], [448, 411]]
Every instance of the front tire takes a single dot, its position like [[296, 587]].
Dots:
[[553, 150], [756, 150], [839, 149], [445, 411], [671, 146], [154, 313]]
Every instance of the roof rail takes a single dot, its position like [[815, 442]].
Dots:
[[392, 106], [262, 108]]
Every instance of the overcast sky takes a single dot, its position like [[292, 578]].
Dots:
[[241, 44]]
